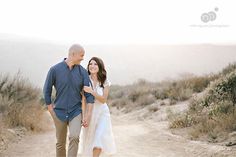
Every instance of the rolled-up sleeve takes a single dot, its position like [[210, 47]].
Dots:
[[89, 97], [47, 89]]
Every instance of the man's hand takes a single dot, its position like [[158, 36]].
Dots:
[[50, 108], [86, 120], [84, 123], [87, 116]]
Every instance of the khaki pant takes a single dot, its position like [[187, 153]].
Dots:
[[61, 134]]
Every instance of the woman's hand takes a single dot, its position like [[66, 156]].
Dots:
[[84, 122], [88, 89]]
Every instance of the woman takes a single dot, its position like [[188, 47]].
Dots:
[[98, 138]]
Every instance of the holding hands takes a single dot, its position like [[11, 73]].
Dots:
[[86, 109]]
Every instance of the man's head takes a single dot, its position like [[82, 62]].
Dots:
[[76, 53]]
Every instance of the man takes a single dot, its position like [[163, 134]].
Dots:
[[68, 78]]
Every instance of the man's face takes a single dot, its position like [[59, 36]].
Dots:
[[78, 57]]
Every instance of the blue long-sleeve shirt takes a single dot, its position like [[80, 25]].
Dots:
[[69, 85]]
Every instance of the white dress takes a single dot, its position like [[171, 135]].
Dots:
[[99, 133]]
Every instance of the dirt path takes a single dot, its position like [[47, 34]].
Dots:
[[133, 139], [145, 139]]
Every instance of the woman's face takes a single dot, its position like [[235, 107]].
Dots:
[[93, 67]]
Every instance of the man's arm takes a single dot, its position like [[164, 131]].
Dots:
[[47, 89], [83, 107]]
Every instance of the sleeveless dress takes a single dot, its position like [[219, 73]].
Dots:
[[99, 132]]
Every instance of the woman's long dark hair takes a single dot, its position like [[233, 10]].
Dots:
[[102, 73]]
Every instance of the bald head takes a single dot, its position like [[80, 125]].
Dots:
[[76, 48], [76, 54]]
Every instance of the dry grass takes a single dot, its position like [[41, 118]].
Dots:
[[216, 130], [143, 93], [1, 125], [228, 69], [212, 116], [20, 108], [153, 108], [132, 97], [179, 120], [19, 103], [28, 115]]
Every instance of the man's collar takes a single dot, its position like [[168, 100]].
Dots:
[[64, 61]]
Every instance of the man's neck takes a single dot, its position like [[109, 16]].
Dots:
[[70, 63]]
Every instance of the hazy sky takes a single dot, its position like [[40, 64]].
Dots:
[[124, 63], [120, 21]]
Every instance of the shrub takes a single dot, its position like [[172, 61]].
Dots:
[[19, 102], [213, 112]]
